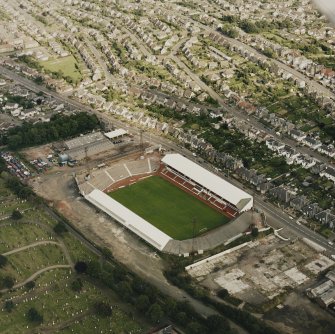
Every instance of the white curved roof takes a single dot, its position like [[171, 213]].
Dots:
[[212, 182], [116, 133], [129, 219]]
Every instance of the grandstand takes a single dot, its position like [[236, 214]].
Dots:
[[127, 218], [206, 185], [105, 178]]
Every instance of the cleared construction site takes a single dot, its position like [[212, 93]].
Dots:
[[257, 272]]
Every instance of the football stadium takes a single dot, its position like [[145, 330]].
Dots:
[[167, 201]]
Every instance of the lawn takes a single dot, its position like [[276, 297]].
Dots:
[[169, 208], [66, 64]]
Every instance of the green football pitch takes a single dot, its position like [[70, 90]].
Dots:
[[168, 208]]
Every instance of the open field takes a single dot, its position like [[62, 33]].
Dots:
[[65, 64], [262, 272], [169, 208], [23, 264], [65, 310], [20, 234]]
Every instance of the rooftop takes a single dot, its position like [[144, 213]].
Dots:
[[129, 219], [212, 182]]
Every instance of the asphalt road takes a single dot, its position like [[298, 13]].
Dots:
[[281, 219], [232, 111]]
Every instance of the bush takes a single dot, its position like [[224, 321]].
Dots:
[[77, 285], [8, 305], [60, 228], [34, 316], [217, 324], [254, 232], [103, 309], [223, 293], [16, 215], [80, 267], [3, 261], [7, 282], [30, 285], [155, 313]]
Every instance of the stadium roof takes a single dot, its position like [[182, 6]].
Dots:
[[129, 219], [116, 133], [212, 182]]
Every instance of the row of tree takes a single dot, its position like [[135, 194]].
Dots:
[[149, 301], [254, 27], [60, 127], [177, 276]]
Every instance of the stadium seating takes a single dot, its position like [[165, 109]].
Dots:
[[199, 191], [139, 167], [118, 172], [100, 181]]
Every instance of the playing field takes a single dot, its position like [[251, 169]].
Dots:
[[66, 64], [168, 208]]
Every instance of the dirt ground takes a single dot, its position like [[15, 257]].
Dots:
[[260, 271], [37, 152], [301, 316]]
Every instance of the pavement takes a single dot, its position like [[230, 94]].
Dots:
[[213, 238]]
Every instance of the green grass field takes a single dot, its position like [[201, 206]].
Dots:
[[169, 208], [66, 65]]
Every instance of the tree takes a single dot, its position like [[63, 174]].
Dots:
[[8, 305], [3, 164], [195, 328], [125, 290], [103, 309], [181, 317], [30, 285], [228, 30], [107, 253], [217, 324], [16, 215], [254, 232], [223, 293], [155, 313], [269, 53], [34, 316], [7, 282], [80, 267], [77, 285], [60, 228], [3, 261], [142, 303]]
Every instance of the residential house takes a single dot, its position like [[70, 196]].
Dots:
[[311, 142], [310, 210], [281, 193], [327, 150], [246, 174], [274, 145], [329, 173], [297, 135], [318, 167], [298, 202], [326, 218]]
